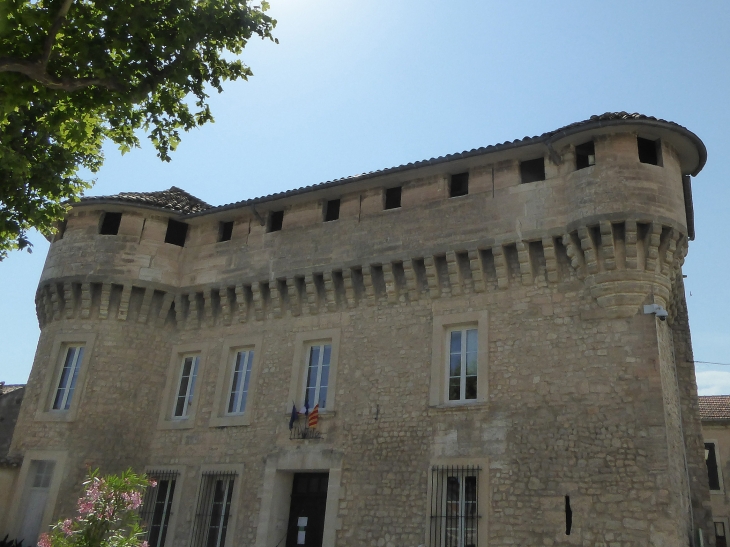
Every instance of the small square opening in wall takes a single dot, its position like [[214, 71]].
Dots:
[[649, 151], [532, 170], [176, 232], [585, 155], [392, 197], [110, 224], [331, 210], [225, 231], [459, 185], [276, 221]]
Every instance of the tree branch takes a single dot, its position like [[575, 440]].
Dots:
[[55, 27], [37, 72]]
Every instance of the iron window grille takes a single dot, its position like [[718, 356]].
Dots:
[[454, 506], [214, 510], [157, 506]]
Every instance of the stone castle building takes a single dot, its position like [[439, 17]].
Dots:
[[497, 342], [715, 416]]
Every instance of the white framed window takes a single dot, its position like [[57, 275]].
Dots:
[[186, 386], [235, 395], [459, 359], [65, 369], [69, 376], [462, 364], [181, 396], [240, 380], [318, 372], [454, 503], [314, 370]]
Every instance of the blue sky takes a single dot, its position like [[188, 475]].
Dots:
[[360, 85]]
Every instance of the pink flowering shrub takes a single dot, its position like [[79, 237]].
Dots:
[[107, 514]]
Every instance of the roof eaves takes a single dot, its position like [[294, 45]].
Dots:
[[110, 200], [608, 119]]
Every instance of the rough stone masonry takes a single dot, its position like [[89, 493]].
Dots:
[[569, 417]]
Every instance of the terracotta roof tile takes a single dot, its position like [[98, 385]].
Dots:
[[609, 118], [714, 407], [173, 199], [180, 201], [4, 389]]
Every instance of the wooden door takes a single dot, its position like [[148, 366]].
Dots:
[[306, 513]]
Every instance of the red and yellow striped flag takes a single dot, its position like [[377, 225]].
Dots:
[[314, 416]]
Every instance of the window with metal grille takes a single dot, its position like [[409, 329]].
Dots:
[[454, 506], [214, 510], [713, 474], [69, 373], [157, 506]]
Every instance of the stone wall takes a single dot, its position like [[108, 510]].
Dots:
[[580, 398]]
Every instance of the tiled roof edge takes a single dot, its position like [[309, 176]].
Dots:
[[604, 120], [714, 408], [597, 121], [146, 199]]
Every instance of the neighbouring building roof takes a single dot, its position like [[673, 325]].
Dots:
[[10, 398], [9, 388], [11, 462], [173, 199], [714, 407], [180, 201]]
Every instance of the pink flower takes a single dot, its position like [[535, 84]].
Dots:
[[132, 499], [44, 541], [67, 527], [86, 507], [153, 483], [144, 544]]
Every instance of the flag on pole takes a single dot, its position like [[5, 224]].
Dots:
[[294, 417], [314, 416]]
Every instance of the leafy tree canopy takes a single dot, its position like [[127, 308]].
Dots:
[[76, 72]]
